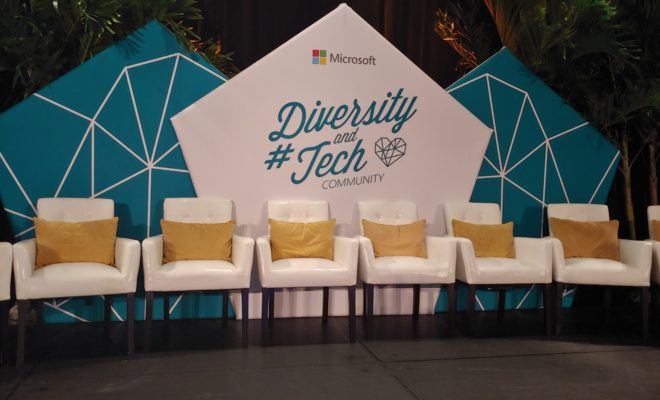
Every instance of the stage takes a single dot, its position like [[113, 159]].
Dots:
[[202, 360]]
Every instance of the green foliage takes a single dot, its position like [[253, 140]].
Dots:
[[42, 39], [554, 38], [601, 56]]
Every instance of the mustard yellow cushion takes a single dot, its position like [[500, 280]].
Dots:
[[300, 240], [190, 241], [655, 228], [397, 240], [487, 240], [61, 242], [590, 239]]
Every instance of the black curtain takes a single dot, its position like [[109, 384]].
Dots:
[[5, 229], [253, 28]]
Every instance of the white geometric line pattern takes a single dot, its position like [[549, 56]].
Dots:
[[149, 161], [503, 169], [546, 146]]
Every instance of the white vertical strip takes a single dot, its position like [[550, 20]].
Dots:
[[137, 115], [492, 114], [18, 183], [162, 115], [73, 160]]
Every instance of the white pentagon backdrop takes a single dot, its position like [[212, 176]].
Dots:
[[337, 113]]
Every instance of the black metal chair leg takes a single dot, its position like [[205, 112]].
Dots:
[[166, 307], [451, 307], [23, 307], [107, 313], [501, 305], [364, 300], [245, 314], [471, 303], [369, 317], [4, 332], [351, 313], [547, 308], [130, 320], [645, 300], [148, 316], [326, 300], [225, 308], [415, 314], [271, 308], [607, 304], [265, 297], [559, 298]]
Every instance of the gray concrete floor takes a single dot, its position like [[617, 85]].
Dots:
[[302, 359]]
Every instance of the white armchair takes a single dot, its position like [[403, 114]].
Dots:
[[633, 269], [438, 268], [5, 285], [532, 264], [306, 272], [79, 278], [197, 275]]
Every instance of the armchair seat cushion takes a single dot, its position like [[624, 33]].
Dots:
[[307, 272], [503, 271], [407, 270], [76, 279], [599, 271], [198, 275]]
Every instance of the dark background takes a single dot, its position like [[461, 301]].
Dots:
[[253, 28]]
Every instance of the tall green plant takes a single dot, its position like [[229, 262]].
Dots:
[[42, 39], [580, 48]]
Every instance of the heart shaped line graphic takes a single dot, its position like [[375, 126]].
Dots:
[[389, 151]]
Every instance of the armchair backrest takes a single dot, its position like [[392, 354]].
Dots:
[[75, 209], [387, 212], [653, 213], [578, 212], [197, 210], [299, 211], [473, 213]]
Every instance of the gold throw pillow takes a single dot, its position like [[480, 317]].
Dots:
[[302, 240], [590, 239], [488, 240], [64, 242], [655, 228], [192, 241], [397, 240]]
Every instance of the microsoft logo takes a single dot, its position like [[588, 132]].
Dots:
[[323, 57], [318, 57]]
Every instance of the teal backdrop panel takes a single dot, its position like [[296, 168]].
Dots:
[[541, 152], [103, 130]]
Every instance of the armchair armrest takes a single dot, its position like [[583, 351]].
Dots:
[[25, 256], [637, 254], [346, 252], [242, 253], [466, 264], [127, 258], [442, 249], [264, 258], [558, 261], [25, 253], [366, 256], [5, 270], [152, 258], [534, 252]]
